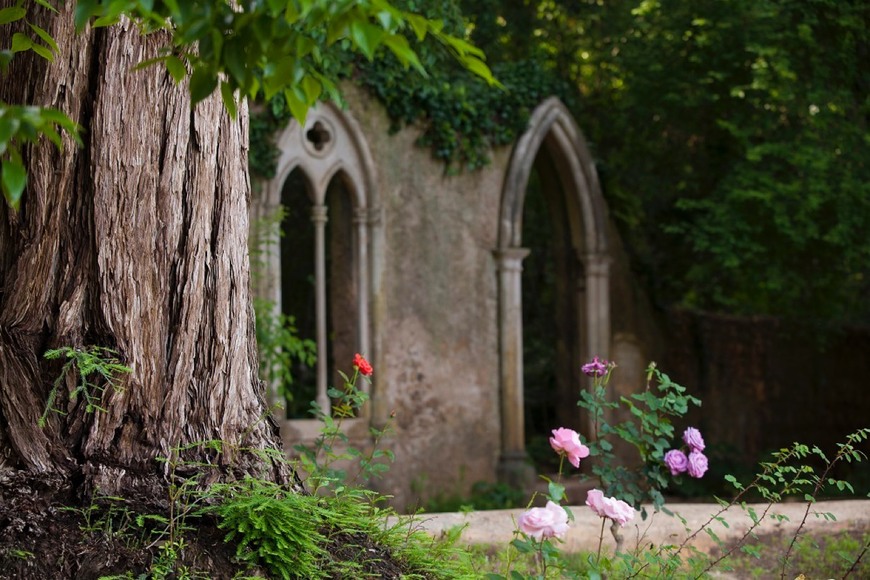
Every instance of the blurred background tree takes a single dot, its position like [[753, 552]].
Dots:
[[731, 138], [730, 135]]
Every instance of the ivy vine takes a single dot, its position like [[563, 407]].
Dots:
[[462, 118]]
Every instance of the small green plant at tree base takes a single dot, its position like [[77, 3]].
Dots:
[[98, 368]]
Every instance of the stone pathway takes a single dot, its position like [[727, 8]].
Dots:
[[497, 526]]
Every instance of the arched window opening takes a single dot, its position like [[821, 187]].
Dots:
[[298, 288], [332, 326], [549, 308], [560, 306]]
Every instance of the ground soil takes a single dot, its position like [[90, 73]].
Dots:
[[47, 532]]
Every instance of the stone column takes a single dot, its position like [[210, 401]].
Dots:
[[318, 218], [360, 224], [597, 267], [597, 270], [513, 467]]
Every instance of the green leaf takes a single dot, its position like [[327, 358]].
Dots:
[[21, 42], [11, 14], [13, 180], [202, 84], [312, 89], [176, 68], [367, 37], [8, 128], [234, 59], [556, 491], [46, 4], [229, 99], [298, 106], [419, 24], [42, 51], [5, 59], [45, 36], [399, 46]]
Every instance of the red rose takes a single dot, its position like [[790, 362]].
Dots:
[[362, 365]]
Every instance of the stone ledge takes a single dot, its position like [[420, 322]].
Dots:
[[497, 526]]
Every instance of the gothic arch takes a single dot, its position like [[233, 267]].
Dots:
[[553, 131], [328, 150]]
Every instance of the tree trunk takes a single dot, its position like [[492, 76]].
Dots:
[[136, 241]]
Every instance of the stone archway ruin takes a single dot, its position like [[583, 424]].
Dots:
[[551, 129]]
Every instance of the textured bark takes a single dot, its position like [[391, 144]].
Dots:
[[136, 241]]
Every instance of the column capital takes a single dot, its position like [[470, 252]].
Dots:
[[318, 214], [597, 264], [360, 215], [510, 258]]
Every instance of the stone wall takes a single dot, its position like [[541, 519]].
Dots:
[[436, 314]]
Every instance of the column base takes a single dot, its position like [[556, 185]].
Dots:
[[516, 470]]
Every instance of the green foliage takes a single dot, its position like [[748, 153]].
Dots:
[[254, 50], [730, 135], [274, 527], [20, 125], [98, 368], [325, 461]]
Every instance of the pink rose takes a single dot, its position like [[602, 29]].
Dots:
[[693, 439], [697, 464], [566, 441], [676, 461], [546, 522], [362, 365], [609, 507], [596, 368]]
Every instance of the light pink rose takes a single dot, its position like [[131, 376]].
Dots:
[[567, 441], [697, 464], [693, 439], [546, 522], [676, 461], [609, 507]]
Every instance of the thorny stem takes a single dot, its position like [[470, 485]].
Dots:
[[715, 516], [600, 541], [614, 531], [858, 559], [819, 482]]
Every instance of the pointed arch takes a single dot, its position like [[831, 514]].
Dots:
[[330, 151], [552, 131]]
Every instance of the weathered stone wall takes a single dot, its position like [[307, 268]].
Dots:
[[436, 313], [766, 384]]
